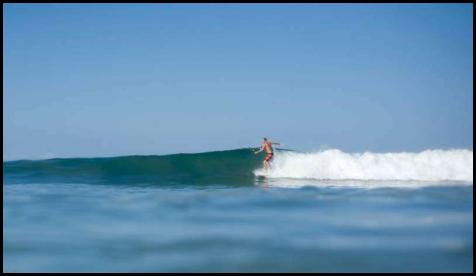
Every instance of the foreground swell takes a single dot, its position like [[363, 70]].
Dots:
[[110, 228]]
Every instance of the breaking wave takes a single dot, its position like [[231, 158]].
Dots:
[[333, 164], [240, 167]]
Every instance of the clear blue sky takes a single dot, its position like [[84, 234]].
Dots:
[[120, 79]]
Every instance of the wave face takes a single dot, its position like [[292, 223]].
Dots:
[[227, 167], [241, 167], [429, 165]]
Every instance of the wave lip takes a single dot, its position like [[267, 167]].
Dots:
[[333, 164]]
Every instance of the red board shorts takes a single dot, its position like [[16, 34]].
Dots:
[[268, 157]]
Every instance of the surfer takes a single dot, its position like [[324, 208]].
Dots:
[[268, 146]]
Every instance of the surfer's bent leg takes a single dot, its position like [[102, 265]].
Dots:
[[266, 160]]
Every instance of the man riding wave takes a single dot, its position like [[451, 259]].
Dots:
[[268, 146]]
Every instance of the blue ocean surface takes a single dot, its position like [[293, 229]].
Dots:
[[217, 212]]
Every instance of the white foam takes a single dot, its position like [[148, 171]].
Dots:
[[333, 164]]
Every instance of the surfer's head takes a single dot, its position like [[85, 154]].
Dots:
[[264, 139]]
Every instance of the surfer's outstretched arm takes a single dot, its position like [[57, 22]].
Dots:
[[262, 148], [275, 143]]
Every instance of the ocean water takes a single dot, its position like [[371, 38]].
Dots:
[[325, 211]]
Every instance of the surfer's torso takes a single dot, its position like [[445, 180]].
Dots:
[[268, 147]]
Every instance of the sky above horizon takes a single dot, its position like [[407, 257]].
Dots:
[[86, 80]]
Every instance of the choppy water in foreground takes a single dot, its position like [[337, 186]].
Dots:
[[193, 213], [83, 227]]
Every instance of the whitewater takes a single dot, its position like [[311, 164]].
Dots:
[[333, 164]]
